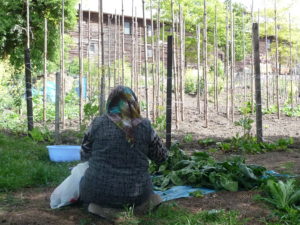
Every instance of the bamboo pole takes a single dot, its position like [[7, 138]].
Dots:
[[132, 48], [123, 45], [62, 73], [28, 83], [158, 59], [115, 48], [276, 63], [152, 66], [291, 68], [57, 108], [244, 57], [252, 63], [102, 88], [259, 130], [145, 60], [169, 92], [89, 80], [181, 58], [198, 69], [109, 50], [80, 66], [267, 73], [205, 66], [45, 71], [98, 55], [119, 50], [232, 60], [136, 53], [215, 62], [227, 62], [174, 65], [163, 64]]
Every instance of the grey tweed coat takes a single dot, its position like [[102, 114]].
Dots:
[[118, 173]]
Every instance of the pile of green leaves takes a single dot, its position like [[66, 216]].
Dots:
[[201, 170]]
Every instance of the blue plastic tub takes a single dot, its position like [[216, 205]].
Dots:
[[64, 153]]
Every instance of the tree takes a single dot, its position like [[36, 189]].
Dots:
[[13, 29]]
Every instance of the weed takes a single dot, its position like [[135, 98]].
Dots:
[[207, 141], [188, 138]]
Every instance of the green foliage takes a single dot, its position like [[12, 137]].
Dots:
[[191, 82], [282, 195], [172, 214], [24, 163], [197, 194], [188, 138], [160, 122], [200, 169], [246, 124], [41, 135], [90, 110], [13, 29], [246, 109], [206, 142]]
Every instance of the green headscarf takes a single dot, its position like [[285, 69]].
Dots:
[[123, 109]]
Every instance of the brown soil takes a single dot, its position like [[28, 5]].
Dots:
[[31, 206]]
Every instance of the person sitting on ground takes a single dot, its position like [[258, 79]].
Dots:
[[117, 146]]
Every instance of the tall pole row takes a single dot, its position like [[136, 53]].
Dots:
[[198, 68], [227, 61]]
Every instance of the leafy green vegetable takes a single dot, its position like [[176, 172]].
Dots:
[[200, 169]]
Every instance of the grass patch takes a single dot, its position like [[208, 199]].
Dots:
[[172, 214], [25, 163]]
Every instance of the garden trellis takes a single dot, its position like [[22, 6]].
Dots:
[[130, 49]]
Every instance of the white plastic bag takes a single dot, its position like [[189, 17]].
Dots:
[[68, 191]]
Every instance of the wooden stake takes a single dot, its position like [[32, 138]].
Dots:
[[132, 49], [291, 68], [227, 62], [232, 61], [62, 72], [45, 71], [123, 45], [115, 48], [28, 73], [259, 131], [198, 69], [244, 58], [181, 63], [80, 66], [152, 66], [215, 62], [89, 79], [169, 92], [276, 63], [158, 59], [102, 88], [146, 60], [205, 66], [109, 50], [267, 73], [252, 64], [174, 65]]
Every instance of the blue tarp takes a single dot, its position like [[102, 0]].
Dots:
[[181, 192], [51, 88]]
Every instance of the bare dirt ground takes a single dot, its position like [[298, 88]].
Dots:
[[31, 206]]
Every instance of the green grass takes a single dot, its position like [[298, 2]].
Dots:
[[172, 214], [25, 163]]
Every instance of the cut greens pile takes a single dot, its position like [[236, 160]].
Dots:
[[201, 170]]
